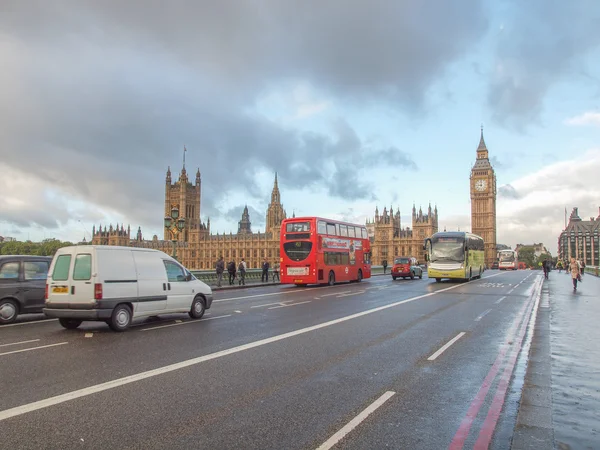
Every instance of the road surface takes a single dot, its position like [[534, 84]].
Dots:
[[400, 364]]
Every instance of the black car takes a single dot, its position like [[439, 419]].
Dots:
[[22, 285]]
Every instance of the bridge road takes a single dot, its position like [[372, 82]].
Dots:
[[280, 367]]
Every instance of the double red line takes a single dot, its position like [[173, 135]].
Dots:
[[491, 420]]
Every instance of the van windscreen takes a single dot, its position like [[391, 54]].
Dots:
[[61, 268]]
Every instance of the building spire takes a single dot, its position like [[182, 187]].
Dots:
[[482, 147], [184, 151]]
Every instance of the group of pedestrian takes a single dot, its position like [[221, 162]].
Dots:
[[241, 269]]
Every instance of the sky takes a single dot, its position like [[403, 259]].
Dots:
[[353, 104]]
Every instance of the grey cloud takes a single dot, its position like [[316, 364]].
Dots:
[[100, 97], [257, 218], [508, 191], [542, 43]]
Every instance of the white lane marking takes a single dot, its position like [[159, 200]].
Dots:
[[185, 323], [499, 300], [446, 346], [58, 399], [335, 293], [27, 323], [317, 298], [337, 437], [290, 304], [353, 293], [510, 292], [238, 312], [89, 335], [33, 348], [266, 304], [482, 315], [19, 343]]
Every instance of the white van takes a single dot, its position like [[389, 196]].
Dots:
[[118, 284]]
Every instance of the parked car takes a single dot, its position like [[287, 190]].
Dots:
[[406, 267], [22, 283], [118, 284], [495, 265]]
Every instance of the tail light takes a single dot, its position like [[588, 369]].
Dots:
[[46, 292], [98, 291]]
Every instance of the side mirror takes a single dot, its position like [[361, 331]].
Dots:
[[188, 277]]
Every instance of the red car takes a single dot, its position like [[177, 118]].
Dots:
[[406, 267]]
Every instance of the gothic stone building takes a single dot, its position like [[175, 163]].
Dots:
[[389, 240], [197, 248], [580, 239], [483, 201]]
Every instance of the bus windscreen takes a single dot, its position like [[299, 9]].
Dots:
[[447, 249], [297, 250]]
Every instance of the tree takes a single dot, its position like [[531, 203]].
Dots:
[[46, 248], [527, 255]]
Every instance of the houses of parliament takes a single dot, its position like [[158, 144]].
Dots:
[[198, 248]]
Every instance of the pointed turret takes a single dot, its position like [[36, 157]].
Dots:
[[198, 177], [169, 175], [482, 161]]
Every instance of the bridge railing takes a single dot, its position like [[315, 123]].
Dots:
[[254, 275], [593, 270]]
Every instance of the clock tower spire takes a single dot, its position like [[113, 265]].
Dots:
[[483, 201]]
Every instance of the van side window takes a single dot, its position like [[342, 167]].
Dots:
[[83, 267], [9, 270], [35, 270], [174, 272], [61, 268]]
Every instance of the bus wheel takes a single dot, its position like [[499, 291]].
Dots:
[[359, 279], [438, 280], [331, 279]]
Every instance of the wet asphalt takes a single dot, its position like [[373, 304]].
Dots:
[[282, 367], [560, 406]]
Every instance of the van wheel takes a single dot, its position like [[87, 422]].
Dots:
[[198, 308], [412, 275], [8, 311], [70, 324], [331, 279], [121, 318], [359, 279]]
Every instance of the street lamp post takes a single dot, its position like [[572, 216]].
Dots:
[[175, 225]]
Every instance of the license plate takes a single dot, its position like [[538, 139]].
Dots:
[[298, 281], [60, 290]]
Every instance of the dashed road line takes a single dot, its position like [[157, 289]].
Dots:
[[185, 323], [499, 300], [353, 293], [33, 348], [337, 437], [482, 315], [290, 304], [19, 343], [446, 346], [28, 323]]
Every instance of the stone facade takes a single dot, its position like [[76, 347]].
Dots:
[[483, 201], [580, 239], [389, 239], [196, 247]]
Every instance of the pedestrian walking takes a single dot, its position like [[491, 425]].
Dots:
[[575, 272], [384, 264], [220, 268], [242, 272], [546, 268], [265, 271], [276, 272], [231, 270]]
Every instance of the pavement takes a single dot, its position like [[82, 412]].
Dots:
[[560, 406], [409, 364]]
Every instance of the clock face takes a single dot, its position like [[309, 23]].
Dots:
[[480, 185]]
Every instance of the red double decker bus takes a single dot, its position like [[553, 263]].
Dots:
[[318, 251]]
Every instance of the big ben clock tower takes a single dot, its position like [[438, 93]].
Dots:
[[483, 201]]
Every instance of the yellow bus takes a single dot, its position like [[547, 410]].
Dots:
[[454, 255]]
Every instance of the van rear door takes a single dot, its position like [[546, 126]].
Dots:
[[59, 283], [82, 284]]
